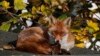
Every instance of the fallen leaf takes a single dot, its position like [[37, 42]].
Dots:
[[80, 45], [5, 4], [5, 26], [93, 25], [8, 47], [19, 4]]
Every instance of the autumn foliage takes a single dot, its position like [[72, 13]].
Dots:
[[84, 26]]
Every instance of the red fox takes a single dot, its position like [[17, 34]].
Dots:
[[37, 40], [60, 29]]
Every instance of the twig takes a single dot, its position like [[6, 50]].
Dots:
[[11, 14]]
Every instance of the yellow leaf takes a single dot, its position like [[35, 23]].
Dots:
[[54, 2], [81, 38], [93, 25], [19, 4], [43, 8], [34, 10], [78, 37], [84, 39], [5, 4], [39, 8], [80, 45], [84, 31], [94, 35], [74, 30]]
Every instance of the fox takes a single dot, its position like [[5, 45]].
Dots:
[[61, 30], [52, 39]]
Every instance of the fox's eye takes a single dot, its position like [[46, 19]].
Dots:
[[64, 33]]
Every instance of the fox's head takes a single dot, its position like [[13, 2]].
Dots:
[[59, 28]]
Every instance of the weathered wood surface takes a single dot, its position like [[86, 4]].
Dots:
[[6, 37]]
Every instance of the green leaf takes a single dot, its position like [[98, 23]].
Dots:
[[19, 4], [26, 15], [98, 36], [5, 26], [14, 20], [0, 3], [91, 30]]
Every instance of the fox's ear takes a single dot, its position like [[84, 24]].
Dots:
[[52, 20], [67, 21]]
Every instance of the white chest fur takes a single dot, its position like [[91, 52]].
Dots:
[[65, 44]]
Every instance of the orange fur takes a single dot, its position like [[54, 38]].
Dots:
[[61, 28], [35, 39]]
